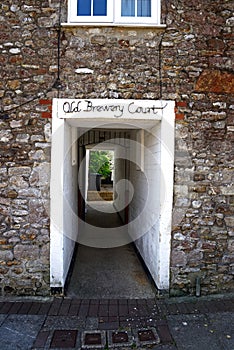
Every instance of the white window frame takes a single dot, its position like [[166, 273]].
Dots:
[[72, 10], [114, 15], [153, 19]]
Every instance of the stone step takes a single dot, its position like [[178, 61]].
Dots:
[[100, 195]]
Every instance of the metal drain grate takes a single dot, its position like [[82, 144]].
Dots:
[[64, 339], [146, 336], [119, 338], [93, 339]]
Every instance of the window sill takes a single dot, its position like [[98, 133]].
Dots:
[[97, 24]]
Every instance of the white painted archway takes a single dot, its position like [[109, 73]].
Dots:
[[69, 115]]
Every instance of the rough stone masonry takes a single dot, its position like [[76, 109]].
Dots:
[[190, 61]]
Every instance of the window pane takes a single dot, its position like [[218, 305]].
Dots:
[[144, 8], [84, 8], [128, 8], [99, 7]]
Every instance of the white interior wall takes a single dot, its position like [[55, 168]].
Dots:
[[56, 204], [70, 201], [147, 192], [63, 185], [155, 194]]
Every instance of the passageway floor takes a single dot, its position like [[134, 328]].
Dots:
[[108, 272]]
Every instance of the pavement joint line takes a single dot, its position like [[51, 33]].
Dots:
[[16, 332]]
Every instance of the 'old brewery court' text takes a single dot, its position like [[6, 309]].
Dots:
[[118, 109]]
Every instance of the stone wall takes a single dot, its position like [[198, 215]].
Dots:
[[27, 53], [197, 56], [190, 62]]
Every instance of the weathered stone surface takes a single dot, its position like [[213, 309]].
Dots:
[[179, 258], [25, 251], [216, 81], [229, 220], [21, 170], [190, 61], [6, 255], [40, 175]]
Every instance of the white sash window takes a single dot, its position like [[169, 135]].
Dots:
[[90, 11], [114, 11]]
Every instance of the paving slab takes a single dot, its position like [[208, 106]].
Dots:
[[222, 325], [91, 323], [165, 347], [63, 322], [2, 319], [20, 331], [192, 332], [64, 339]]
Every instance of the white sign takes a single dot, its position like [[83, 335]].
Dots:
[[106, 108]]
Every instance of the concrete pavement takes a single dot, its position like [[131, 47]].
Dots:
[[160, 324]]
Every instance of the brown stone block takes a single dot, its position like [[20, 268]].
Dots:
[[45, 102], [179, 116], [181, 104], [216, 44], [16, 59], [12, 194], [18, 271], [209, 246], [14, 84], [124, 43], [3, 241], [199, 177], [199, 189], [13, 262], [216, 81], [6, 246], [46, 115], [127, 86], [3, 270]]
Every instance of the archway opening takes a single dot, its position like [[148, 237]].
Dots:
[[143, 187], [106, 263]]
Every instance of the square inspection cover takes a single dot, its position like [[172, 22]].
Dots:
[[119, 338], [64, 339], [146, 336], [93, 339]]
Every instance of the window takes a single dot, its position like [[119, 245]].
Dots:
[[115, 11], [136, 8], [91, 11]]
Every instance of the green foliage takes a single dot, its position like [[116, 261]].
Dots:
[[101, 162]]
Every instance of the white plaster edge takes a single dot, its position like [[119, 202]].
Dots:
[[56, 201], [166, 195]]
